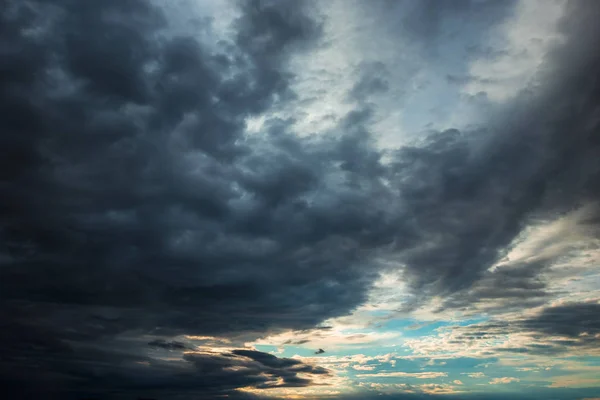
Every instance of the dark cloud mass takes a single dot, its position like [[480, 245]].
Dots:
[[572, 320], [128, 203], [163, 344], [134, 206], [554, 330], [470, 193]]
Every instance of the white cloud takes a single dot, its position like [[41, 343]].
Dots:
[[363, 367], [568, 237], [504, 380], [475, 374]]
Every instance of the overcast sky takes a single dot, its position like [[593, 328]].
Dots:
[[328, 199]]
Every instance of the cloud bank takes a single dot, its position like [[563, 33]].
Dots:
[[136, 206]]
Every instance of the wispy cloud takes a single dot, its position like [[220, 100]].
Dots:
[[418, 375]]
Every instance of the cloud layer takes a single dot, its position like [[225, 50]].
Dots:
[[137, 207]]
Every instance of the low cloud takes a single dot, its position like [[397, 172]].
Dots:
[[417, 375], [503, 380], [173, 345]]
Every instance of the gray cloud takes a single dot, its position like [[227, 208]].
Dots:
[[373, 79], [505, 289], [133, 203], [555, 330], [143, 198], [468, 194], [172, 345], [575, 320], [97, 373]]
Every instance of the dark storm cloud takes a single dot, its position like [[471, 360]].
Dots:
[[255, 368], [133, 203], [98, 373], [122, 208], [288, 364], [469, 194], [127, 195], [168, 345]]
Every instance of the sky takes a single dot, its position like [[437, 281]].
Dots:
[[320, 199]]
